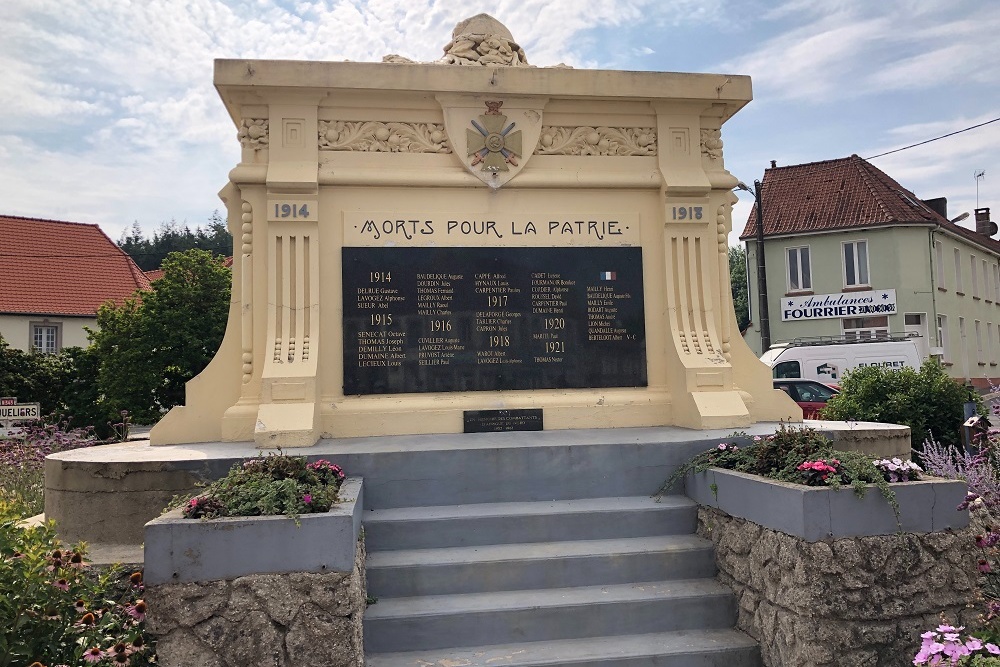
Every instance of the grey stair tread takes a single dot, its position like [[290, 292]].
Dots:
[[478, 510], [463, 603], [535, 551], [584, 651]]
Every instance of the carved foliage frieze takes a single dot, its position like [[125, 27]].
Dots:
[[378, 137], [253, 133], [621, 141]]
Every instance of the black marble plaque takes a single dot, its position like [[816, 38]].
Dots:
[[496, 421], [480, 319]]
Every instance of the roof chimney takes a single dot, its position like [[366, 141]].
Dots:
[[939, 205], [983, 224], [774, 164]]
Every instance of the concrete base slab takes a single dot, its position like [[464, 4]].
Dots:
[[106, 494]]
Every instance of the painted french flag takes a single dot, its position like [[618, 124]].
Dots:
[[609, 275]]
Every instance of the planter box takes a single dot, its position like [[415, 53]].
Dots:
[[816, 513], [180, 550]]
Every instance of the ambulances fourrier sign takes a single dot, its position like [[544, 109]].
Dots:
[[851, 304]]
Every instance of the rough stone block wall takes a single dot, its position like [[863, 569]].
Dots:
[[298, 619], [852, 601]]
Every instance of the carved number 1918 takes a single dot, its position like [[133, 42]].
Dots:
[[687, 212]]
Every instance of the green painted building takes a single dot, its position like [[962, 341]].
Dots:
[[849, 252]]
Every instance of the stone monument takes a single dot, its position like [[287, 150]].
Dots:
[[475, 244]]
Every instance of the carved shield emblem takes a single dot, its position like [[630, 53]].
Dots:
[[494, 138]]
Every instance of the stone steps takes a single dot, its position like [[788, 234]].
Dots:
[[575, 581], [508, 567], [499, 523], [686, 648], [473, 619]]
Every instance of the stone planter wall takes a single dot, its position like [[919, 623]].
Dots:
[[850, 601], [259, 591], [298, 619], [818, 512]]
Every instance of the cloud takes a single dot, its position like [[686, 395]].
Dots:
[[853, 47]]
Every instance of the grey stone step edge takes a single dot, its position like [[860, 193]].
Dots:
[[686, 648]]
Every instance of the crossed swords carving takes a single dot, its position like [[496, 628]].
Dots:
[[494, 144]]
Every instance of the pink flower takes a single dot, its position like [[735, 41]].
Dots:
[[307, 498], [62, 584], [993, 648], [138, 610], [984, 565], [722, 446], [93, 654], [973, 644]]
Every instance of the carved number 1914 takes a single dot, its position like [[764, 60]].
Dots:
[[291, 211]]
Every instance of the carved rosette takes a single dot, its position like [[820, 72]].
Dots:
[[711, 144], [253, 133], [378, 137], [602, 141]]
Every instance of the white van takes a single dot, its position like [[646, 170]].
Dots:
[[826, 359]]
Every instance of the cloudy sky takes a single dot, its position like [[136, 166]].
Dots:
[[109, 115]]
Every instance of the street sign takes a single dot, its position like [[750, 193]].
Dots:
[[20, 412]]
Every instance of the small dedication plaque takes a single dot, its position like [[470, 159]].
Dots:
[[495, 421]]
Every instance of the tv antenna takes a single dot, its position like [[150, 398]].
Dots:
[[978, 175]]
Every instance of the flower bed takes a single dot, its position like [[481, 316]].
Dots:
[[179, 549], [815, 513]]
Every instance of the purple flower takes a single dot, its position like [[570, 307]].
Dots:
[[307, 498]]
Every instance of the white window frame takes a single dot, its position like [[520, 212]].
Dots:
[[975, 276], [987, 283], [996, 282], [939, 259], [35, 330], [852, 246], [805, 278], [942, 337], [979, 343], [963, 340], [869, 329], [989, 344], [959, 286]]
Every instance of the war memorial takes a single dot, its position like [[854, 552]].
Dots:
[[498, 295]]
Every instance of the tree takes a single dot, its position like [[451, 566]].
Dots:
[[928, 401], [738, 282], [149, 346], [149, 254]]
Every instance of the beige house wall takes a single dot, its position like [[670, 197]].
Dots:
[[278, 377], [16, 329]]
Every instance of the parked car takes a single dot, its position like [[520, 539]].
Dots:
[[810, 395], [827, 358]]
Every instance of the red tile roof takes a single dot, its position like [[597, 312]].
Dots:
[[841, 194], [48, 267]]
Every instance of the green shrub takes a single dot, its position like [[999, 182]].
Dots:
[[928, 401], [54, 609]]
